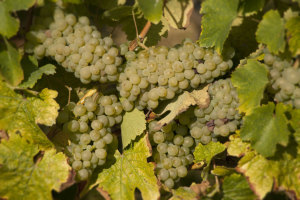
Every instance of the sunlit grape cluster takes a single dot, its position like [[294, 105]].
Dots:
[[159, 73], [285, 79], [89, 127], [78, 47]]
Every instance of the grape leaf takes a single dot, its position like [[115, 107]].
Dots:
[[217, 19], [10, 67], [130, 171], [118, 13], [207, 152], [21, 115], [271, 32], [222, 171], [265, 129], [182, 103], [236, 147], [235, 187], [73, 1], [250, 80], [152, 10], [178, 13], [293, 34], [9, 25], [133, 125], [260, 173], [47, 69], [185, 193], [23, 178], [289, 174], [251, 7], [295, 123]]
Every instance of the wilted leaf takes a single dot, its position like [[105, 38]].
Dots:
[[271, 32], [183, 102], [23, 178], [133, 125], [250, 80], [236, 147]]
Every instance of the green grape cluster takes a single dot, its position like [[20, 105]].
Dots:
[[221, 117], [78, 47], [159, 73], [285, 79], [89, 126], [173, 150]]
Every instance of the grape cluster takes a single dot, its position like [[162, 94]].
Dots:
[[159, 73], [221, 117], [285, 80], [89, 126], [78, 47], [173, 150]]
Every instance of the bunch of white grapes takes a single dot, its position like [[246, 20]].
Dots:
[[173, 147], [221, 117], [89, 127], [78, 47], [285, 79], [159, 73]]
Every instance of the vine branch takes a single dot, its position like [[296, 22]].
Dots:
[[134, 43]]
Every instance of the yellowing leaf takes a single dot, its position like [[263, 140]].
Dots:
[[133, 125], [152, 10], [183, 102], [217, 19], [19, 114], [293, 34], [207, 152], [271, 32], [236, 147], [130, 171], [178, 12], [236, 187], [260, 173], [10, 67], [250, 80], [185, 193], [23, 178], [265, 129]]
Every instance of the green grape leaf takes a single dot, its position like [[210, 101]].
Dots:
[[130, 171], [73, 1], [10, 67], [250, 80], [178, 13], [185, 193], [295, 123], [152, 10], [47, 69], [236, 147], [265, 128], [182, 103], [22, 177], [133, 125], [118, 13], [217, 19], [289, 174], [222, 171], [251, 7], [293, 34], [207, 152], [21, 114], [260, 173], [270, 31], [15, 5], [9, 25], [236, 187]]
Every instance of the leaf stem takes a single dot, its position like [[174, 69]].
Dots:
[[137, 42]]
